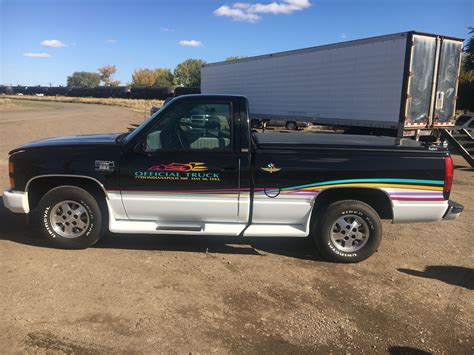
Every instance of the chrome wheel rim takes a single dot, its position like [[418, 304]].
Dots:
[[69, 219], [349, 233]]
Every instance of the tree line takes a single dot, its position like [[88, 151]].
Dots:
[[466, 79], [186, 74]]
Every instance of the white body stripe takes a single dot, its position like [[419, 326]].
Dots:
[[283, 215]]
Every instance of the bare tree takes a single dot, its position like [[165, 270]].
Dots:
[[106, 73]]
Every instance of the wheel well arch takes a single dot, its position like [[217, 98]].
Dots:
[[37, 187], [374, 197]]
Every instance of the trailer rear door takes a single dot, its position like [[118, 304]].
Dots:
[[420, 81], [447, 83]]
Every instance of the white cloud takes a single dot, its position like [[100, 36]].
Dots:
[[190, 43], [167, 29], [37, 55], [238, 13], [344, 36], [53, 43], [243, 11], [111, 41]]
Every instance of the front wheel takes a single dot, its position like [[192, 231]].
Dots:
[[69, 217], [347, 231]]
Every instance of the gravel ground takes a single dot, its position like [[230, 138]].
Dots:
[[148, 294]]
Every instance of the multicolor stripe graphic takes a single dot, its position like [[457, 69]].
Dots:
[[397, 189]]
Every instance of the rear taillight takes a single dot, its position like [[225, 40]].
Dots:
[[448, 176]]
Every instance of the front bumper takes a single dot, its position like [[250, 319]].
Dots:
[[16, 201], [453, 211]]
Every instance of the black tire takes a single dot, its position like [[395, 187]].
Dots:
[[92, 213], [325, 220], [291, 125]]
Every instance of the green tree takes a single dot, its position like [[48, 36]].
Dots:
[[188, 73], [83, 79], [466, 82], [469, 50], [160, 77], [235, 57], [106, 72], [164, 78]]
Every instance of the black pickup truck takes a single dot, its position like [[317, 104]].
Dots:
[[195, 167]]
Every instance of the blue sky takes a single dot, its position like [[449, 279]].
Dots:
[[44, 41]]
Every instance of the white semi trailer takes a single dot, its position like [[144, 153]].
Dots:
[[402, 84]]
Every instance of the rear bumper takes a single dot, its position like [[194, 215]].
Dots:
[[16, 201], [453, 211]]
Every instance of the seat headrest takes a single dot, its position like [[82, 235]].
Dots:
[[213, 122]]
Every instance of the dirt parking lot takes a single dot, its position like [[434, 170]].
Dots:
[[153, 294]]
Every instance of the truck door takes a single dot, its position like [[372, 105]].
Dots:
[[184, 167], [447, 83]]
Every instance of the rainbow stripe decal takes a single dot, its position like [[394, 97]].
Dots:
[[397, 189]]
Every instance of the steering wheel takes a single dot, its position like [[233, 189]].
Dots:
[[178, 136]]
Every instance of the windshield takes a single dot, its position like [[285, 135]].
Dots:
[[145, 123]]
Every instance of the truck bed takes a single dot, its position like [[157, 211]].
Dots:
[[307, 140]]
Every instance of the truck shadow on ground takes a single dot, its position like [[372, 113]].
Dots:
[[453, 275], [406, 350], [14, 227], [463, 168]]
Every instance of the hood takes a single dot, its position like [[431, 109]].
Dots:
[[67, 141]]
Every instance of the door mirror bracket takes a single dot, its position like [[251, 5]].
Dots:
[[140, 148]]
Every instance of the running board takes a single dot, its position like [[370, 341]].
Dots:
[[218, 229], [184, 228]]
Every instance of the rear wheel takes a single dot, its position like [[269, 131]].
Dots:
[[347, 231], [70, 217], [291, 125]]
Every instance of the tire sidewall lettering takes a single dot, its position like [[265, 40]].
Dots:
[[340, 253], [362, 215]]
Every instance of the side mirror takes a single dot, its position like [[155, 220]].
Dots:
[[140, 147], [154, 109], [255, 123]]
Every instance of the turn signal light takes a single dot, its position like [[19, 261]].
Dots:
[[10, 168]]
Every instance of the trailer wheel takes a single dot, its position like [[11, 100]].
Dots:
[[69, 217], [291, 125], [347, 231]]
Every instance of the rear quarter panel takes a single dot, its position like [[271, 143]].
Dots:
[[288, 182]]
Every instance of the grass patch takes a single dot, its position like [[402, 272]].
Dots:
[[7, 105], [132, 104]]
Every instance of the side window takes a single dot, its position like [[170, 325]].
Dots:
[[192, 125]]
